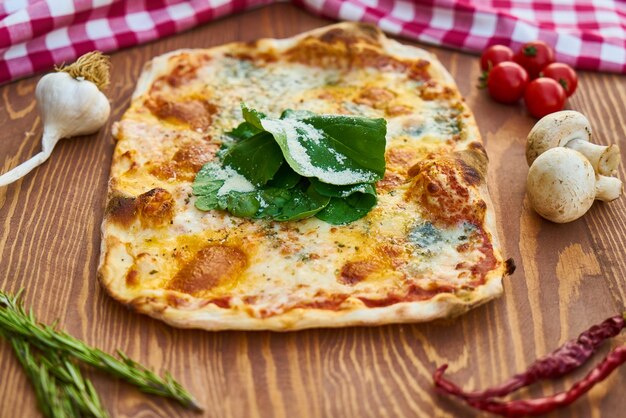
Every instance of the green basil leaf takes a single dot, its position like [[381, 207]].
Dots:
[[257, 158], [285, 178], [205, 186], [361, 139], [302, 205], [347, 203], [208, 183], [244, 205], [245, 130], [331, 163], [208, 202], [341, 211], [252, 117], [206, 179], [272, 200], [296, 114], [337, 150], [342, 191], [281, 204]]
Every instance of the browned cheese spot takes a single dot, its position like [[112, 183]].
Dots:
[[186, 162], [389, 182], [440, 185], [418, 70], [384, 257], [184, 67], [376, 97], [374, 58], [131, 278], [197, 113], [397, 110], [433, 90], [354, 272], [391, 255], [121, 209], [210, 267], [193, 157], [401, 158], [248, 52], [155, 207]]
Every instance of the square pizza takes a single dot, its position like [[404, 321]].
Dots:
[[427, 249]]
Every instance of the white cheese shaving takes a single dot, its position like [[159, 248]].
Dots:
[[233, 181], [296, 131]]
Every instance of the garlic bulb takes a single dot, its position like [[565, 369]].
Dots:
[[70, 105]]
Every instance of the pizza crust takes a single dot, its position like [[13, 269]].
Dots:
[[187, 311]]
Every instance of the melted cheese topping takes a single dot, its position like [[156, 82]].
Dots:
[[424, 236]]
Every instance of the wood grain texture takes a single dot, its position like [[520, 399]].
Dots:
[[568, 276]]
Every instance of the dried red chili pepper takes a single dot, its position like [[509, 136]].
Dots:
[[561, 361], [568, 357], [544, 405]]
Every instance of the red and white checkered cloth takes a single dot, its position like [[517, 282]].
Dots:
[[36, 34], [587, 34]]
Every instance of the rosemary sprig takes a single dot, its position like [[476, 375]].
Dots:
[[60, 388], [80, 391], [16, 322], [50, 399]]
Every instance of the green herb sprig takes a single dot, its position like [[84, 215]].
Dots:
[[60, 388], [47, 356], [297, 166]]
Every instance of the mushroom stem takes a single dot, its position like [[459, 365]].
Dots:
[[604, 159], [608, 188]]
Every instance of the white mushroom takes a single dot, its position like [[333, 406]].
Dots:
[[562, 185], [571, 129]]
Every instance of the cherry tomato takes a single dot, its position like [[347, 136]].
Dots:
[[564, 74], [506, 82], [494, 55], [534, 56], [544, 96]]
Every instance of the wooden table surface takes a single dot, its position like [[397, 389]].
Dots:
[[568, 276]]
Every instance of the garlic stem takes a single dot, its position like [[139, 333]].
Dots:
[[23, 169], [48, 143]]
